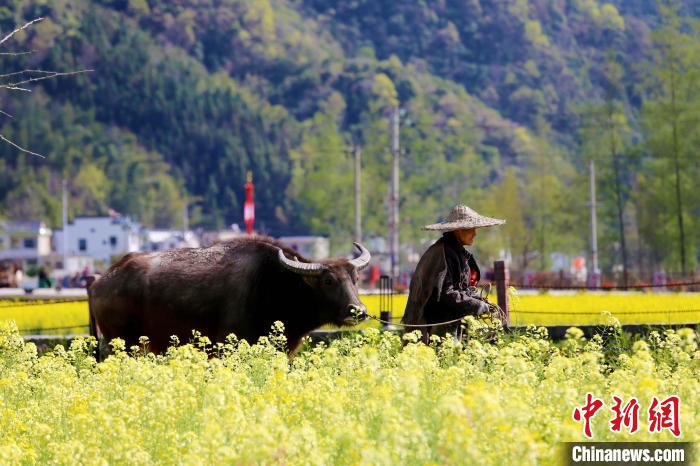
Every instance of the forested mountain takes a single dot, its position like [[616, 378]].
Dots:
[[503, 103]]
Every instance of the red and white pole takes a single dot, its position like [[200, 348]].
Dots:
[[249, 205]]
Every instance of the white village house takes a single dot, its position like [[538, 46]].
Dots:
[[103, 238], [24, 242], [96, 242], [160, 239]]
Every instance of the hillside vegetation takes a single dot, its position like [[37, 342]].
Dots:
[[503, 105]]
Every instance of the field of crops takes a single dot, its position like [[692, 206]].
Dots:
[[46, 317], [586, 308], [579, 308], [364, 399]]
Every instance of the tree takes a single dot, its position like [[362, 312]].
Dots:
[[90, 190], [18, 80], [549, 203], [670, 116], [322, 182], [605, 135], [507, 199]]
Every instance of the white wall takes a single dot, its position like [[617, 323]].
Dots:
[[13, 244], [158, 240], [99, 237]]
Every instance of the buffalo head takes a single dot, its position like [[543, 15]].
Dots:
[[334, 285]]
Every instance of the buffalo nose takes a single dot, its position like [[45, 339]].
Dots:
[[359, 310]]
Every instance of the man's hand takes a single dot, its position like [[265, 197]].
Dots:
[[484, 308]]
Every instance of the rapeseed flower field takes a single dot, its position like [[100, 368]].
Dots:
[[584, 307], [370, 398], [49, 317], [592, 308]]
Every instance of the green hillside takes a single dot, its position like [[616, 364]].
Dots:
[[503, 102]]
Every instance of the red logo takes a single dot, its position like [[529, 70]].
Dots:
[[662, 414], [586, 412], [665, 415], [627, 415]]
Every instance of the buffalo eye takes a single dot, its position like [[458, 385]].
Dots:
[[328, 281]]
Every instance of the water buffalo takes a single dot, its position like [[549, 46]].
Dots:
[[241, 286]]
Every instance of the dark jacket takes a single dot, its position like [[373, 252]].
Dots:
[[440, 285]]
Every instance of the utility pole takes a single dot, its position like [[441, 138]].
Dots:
[[595, 272], [394, 197], [64, 199], [358, 213]]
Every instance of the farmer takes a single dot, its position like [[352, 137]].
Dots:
[[442, 287]]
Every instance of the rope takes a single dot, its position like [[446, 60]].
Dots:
[[613, 287], [388, 322], [497, 312]]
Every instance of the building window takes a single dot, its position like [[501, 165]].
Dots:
[[82, 244], [113, 241], [29, 243]]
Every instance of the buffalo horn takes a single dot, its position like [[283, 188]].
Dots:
[[363, 259], [302, 268]]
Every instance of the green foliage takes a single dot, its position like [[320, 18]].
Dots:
[[322, 181], [187, 96], [670, 119], [606, 139]]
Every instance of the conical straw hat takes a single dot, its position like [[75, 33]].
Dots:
[[463, 217]]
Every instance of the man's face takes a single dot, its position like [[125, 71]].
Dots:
[[466, 236]]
